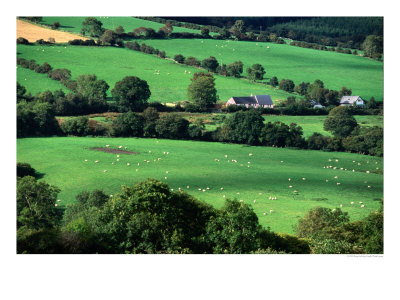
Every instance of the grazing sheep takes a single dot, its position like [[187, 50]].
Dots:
[[165, 177], [265, 214], [187, 187], [363, 205], [86, 160], [58, 200], [137, 170], [96, 161], [326, 180], [55, 205], [128, 164], [338, 183], [351, 202], [117, 155], [105, 171], [289, 179], [117, 159], [303, 178], [271, 211], [290, 186]]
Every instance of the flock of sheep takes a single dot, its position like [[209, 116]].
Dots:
[[230, 160]]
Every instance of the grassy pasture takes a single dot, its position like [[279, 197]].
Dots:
[[192, 166], [35, 82], [74, 24], [362, 75], [113, 64]]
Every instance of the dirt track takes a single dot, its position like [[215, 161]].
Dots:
[[33, 33]]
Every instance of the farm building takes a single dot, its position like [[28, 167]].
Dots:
[[254, 101], [352, 100]]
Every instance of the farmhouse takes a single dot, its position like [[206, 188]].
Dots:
[[254, 101], [352, 100]]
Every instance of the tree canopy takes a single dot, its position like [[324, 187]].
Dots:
[[131, 93]]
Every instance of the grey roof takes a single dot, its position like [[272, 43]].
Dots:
[[349, 99], [264, 99], [258, 99], [244, 100]]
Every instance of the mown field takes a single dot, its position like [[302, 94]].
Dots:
[[113, 64], [208, 171], [362, 75]]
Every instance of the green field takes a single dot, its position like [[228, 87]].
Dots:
[[74, 24], [113, 64], [362, 75], [311, 124], [200, 165]]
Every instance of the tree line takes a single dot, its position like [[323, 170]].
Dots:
[[148, 217]]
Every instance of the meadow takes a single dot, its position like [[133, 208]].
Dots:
[[212, 172], [364, 76], [74, 24], [113, 64]]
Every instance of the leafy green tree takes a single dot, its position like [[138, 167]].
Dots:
[[131, 93], [235, 69], [279, 134], [344, 92], [94, 90], [172, 126], [244, 127], [234, 229], [256, 72], [202, 91], [119, 30], [76, 126], [286, 85], [92, 27], [109, 37], [372, 46], [210, 64], [150, 116], [319, 219], [36, 204], [128, 124], [238, 28], [274, 81], [302, 88], [340, 122]]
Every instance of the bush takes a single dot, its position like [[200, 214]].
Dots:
[[25, 169], [60, 74], [179, 58], [128, 124], [22, 41], [76, 126], [172, 126]]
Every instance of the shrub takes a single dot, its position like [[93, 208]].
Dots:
[[60, 74], [22, 41], [25, 169], [76, 126], [172, 126]]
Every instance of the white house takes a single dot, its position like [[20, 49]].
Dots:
[[352, 100], [254, 101]]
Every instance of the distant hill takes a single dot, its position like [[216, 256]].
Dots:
[[347, 32]]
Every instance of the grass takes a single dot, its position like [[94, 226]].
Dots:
[[74, 24], [193, 164], [113, 64], [35, 82], [364, 76]]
